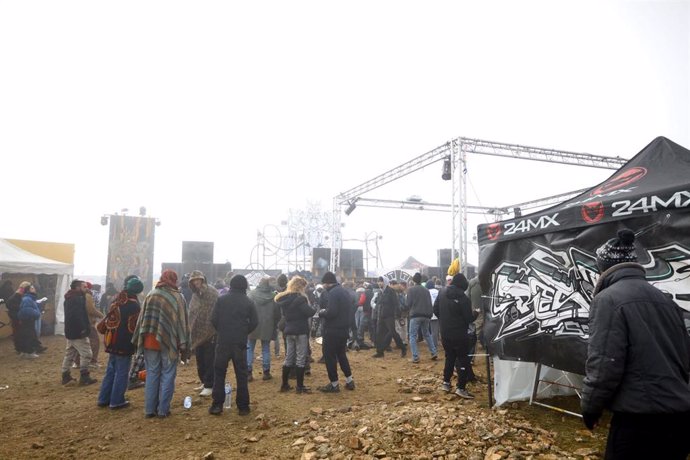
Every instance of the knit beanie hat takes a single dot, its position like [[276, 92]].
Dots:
[[417, 278], [430, 284], [124, 284], [617, 250], [134, 286], [329, 278], [239, 282], [460, 281]]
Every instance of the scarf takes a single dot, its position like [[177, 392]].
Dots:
[[164, 315], [168, 279], [200, 308]]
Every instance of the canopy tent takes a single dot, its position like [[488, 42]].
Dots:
[[404, 271], [14, 260], [538, 271]]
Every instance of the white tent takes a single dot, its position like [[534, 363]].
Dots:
[[17, 260]]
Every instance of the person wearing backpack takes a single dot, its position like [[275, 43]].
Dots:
[[118, 328]]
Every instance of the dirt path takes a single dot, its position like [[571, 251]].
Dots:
[[396, 411]]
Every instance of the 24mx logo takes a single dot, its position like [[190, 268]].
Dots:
[[651, 204], [527, 225]]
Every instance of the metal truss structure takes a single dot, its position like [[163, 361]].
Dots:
[[289, 247], [455, 152]]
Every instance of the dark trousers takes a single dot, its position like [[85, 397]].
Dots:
[[334, 353], [205, 355], [456, 350], [237, 353], [647, 436], [26, 341], [386, 331]]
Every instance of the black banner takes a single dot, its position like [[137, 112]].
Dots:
[[539, 272]]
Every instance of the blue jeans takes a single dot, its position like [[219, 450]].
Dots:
[[425, 325], [265, 354], [160, 381], [115, 381]]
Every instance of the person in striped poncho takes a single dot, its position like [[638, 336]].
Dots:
[[163, 333]]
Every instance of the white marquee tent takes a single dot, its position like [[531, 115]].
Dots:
[[17, 260]]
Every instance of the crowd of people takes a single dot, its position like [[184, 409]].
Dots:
[[224, 322]]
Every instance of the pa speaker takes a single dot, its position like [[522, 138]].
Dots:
[[197, 252]]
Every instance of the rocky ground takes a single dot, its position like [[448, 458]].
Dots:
[[396, 411]]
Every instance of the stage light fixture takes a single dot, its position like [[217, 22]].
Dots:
[[351, 207], [518, 212], [142, 211], [446, 169], [104, 220]]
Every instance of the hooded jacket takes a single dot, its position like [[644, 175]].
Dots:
[[638, 357], [296, 310], [454, 312], [267, 312]]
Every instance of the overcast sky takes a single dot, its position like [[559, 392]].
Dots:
[[220, 117]]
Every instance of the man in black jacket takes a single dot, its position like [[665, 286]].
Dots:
[[336, 330], [638, 360], [233, 317], [386, 309], [454, 311], [77, 329]]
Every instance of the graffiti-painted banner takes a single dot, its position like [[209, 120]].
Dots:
[[130, 249], [538, 285]]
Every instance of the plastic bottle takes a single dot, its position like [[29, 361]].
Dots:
[[187, 402], [228, 396]]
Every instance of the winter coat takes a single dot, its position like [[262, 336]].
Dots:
[[128, 315], [267, 311], [29, 310], [296, 310], [200, 308], [419, 302], [474, 292], [454, 312], [638, 357], [13, 304], [388, 303], [234, 317], [77, 325], [337, 312]]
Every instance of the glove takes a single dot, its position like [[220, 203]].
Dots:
[[590, 420]]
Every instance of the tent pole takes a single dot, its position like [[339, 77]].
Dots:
[[489, 380]]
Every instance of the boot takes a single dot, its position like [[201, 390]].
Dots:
[[85, 378], [286, 375], [403, 350], [67, 378], [300, 381]]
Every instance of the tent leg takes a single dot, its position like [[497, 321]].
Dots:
[[535, 387], [489, 381]]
